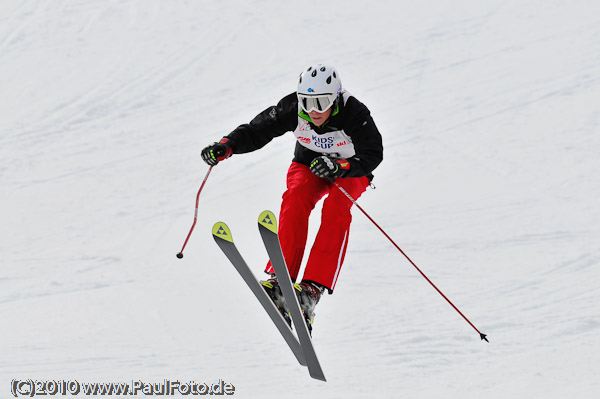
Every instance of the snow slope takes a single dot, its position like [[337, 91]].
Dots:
[[489, 112]]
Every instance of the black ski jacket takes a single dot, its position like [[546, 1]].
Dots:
[[350, 129]]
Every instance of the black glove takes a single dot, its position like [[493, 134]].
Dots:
[[329, 168], [216, 152]]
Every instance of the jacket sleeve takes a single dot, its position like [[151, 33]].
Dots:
[[270, 123], [365, 137]]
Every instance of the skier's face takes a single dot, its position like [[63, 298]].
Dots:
[[318, 118]]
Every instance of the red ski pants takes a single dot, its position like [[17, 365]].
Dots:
[[304, 190]]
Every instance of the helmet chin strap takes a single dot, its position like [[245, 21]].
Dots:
[[335, 107]]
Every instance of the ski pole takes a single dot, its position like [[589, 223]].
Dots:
[[180, 254], [481, 335]]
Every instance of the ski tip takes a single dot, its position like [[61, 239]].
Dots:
[[268, 220], [484, 337], [220, 230]]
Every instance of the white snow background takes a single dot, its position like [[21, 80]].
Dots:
[[490, 116]]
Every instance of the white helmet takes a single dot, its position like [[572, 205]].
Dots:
[[318, 88]]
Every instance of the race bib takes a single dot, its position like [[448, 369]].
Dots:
[[336, 144]]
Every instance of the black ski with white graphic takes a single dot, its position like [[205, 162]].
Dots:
[[224, 240], [267, 225]]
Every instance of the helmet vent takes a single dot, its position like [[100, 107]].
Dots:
[[309, 69], [328, 80], [334, 75], [314, 73], [323, 69]]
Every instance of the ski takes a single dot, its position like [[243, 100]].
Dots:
[[267, 225], [223, 238]]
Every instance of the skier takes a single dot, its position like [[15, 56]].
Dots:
[[337, 140]]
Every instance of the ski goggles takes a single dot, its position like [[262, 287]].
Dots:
[[319, 103]]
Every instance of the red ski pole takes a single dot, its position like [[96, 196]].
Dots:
[[180, 254], [481, 335]]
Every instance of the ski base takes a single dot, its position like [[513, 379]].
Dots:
[[224, 240], [267, 225]]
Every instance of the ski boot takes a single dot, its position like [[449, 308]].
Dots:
[[308, 294], [273, 290]]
